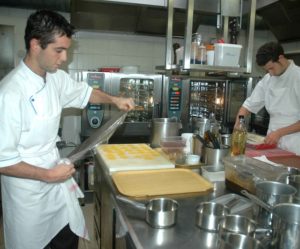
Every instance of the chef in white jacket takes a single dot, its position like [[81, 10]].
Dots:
[[279, 92], [38, 212]]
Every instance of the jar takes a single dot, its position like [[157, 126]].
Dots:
[[201, 55], [196, 43], [210, 54]]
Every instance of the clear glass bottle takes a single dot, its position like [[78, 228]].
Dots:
[[196, 43], [239, 138]]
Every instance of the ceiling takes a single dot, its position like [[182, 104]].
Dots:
[[150, 16]]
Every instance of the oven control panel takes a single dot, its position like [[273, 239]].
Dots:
[[175, 98], [95, 112]]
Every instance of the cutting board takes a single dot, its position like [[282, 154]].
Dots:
[[160, 182], [124, 157], [270, 153]]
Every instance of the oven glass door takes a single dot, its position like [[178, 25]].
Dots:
[[141, 90]]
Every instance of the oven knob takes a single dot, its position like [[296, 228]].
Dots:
[[95, 122]]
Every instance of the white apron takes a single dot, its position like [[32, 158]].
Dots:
[[35, 211], [281, 97], [282, 106]]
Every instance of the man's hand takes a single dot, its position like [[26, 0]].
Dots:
[[60, 172], [273, 137], [124, 104]]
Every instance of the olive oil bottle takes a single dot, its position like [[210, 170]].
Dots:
[[239, 138]]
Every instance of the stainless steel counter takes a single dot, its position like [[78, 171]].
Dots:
[[184, 234], [130, 221]]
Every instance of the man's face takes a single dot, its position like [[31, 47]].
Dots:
[[274, 68], [51, 58]]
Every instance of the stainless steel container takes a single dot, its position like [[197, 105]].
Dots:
[[271, 193], [209, 215], [159, 212], [213, 156], [239, 241], [237, 224], [286, 226], [226, 139], [163, 127]]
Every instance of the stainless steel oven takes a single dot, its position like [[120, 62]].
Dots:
[[145, 89], [221, 96]]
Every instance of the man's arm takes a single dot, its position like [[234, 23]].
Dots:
[[99, 97], [59, 173], [274, 136]]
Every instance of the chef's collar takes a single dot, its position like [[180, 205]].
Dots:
[[32, 74]]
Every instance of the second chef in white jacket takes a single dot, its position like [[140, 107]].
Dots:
[[279, 92]]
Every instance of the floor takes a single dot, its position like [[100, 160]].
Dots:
[[88, 210]]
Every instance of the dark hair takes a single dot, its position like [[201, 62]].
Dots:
[[268, 52], [43, 25]]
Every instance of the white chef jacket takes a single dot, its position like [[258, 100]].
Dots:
[[281, 97], [34, 211]]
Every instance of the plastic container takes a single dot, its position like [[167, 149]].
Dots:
[[227, 54], [242, 172], [210, 54], [173, 147], [192, 159]]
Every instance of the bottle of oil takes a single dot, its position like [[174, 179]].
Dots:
[[239, 138]]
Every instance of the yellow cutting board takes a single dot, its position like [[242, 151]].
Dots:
[[124, 157], [160, 182]]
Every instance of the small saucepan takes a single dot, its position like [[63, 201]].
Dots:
[[159, 212], [209, 215], [237, 224], [238, 241]]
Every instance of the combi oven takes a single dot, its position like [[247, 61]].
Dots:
[[221, 96], [145, 89]]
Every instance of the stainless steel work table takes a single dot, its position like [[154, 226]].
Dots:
[[184, 234], [131, 224]]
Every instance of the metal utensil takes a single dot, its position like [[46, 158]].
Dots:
[[100, 136]]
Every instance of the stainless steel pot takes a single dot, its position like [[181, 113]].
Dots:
[[209, 215], [226, 139], [163, 127], [294, 180], [159, 212], [271, 193], [286, 226], [237, 224], [213, 156], [238, 241]]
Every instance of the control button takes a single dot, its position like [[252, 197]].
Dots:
[[95, 122]]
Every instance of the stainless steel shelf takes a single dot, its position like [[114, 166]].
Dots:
[[187, 66], [205, 68]]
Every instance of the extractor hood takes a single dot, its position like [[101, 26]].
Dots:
[[143, 16], [139, 17], [282, 17]]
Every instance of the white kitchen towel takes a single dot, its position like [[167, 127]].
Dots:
[[77, 222]]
